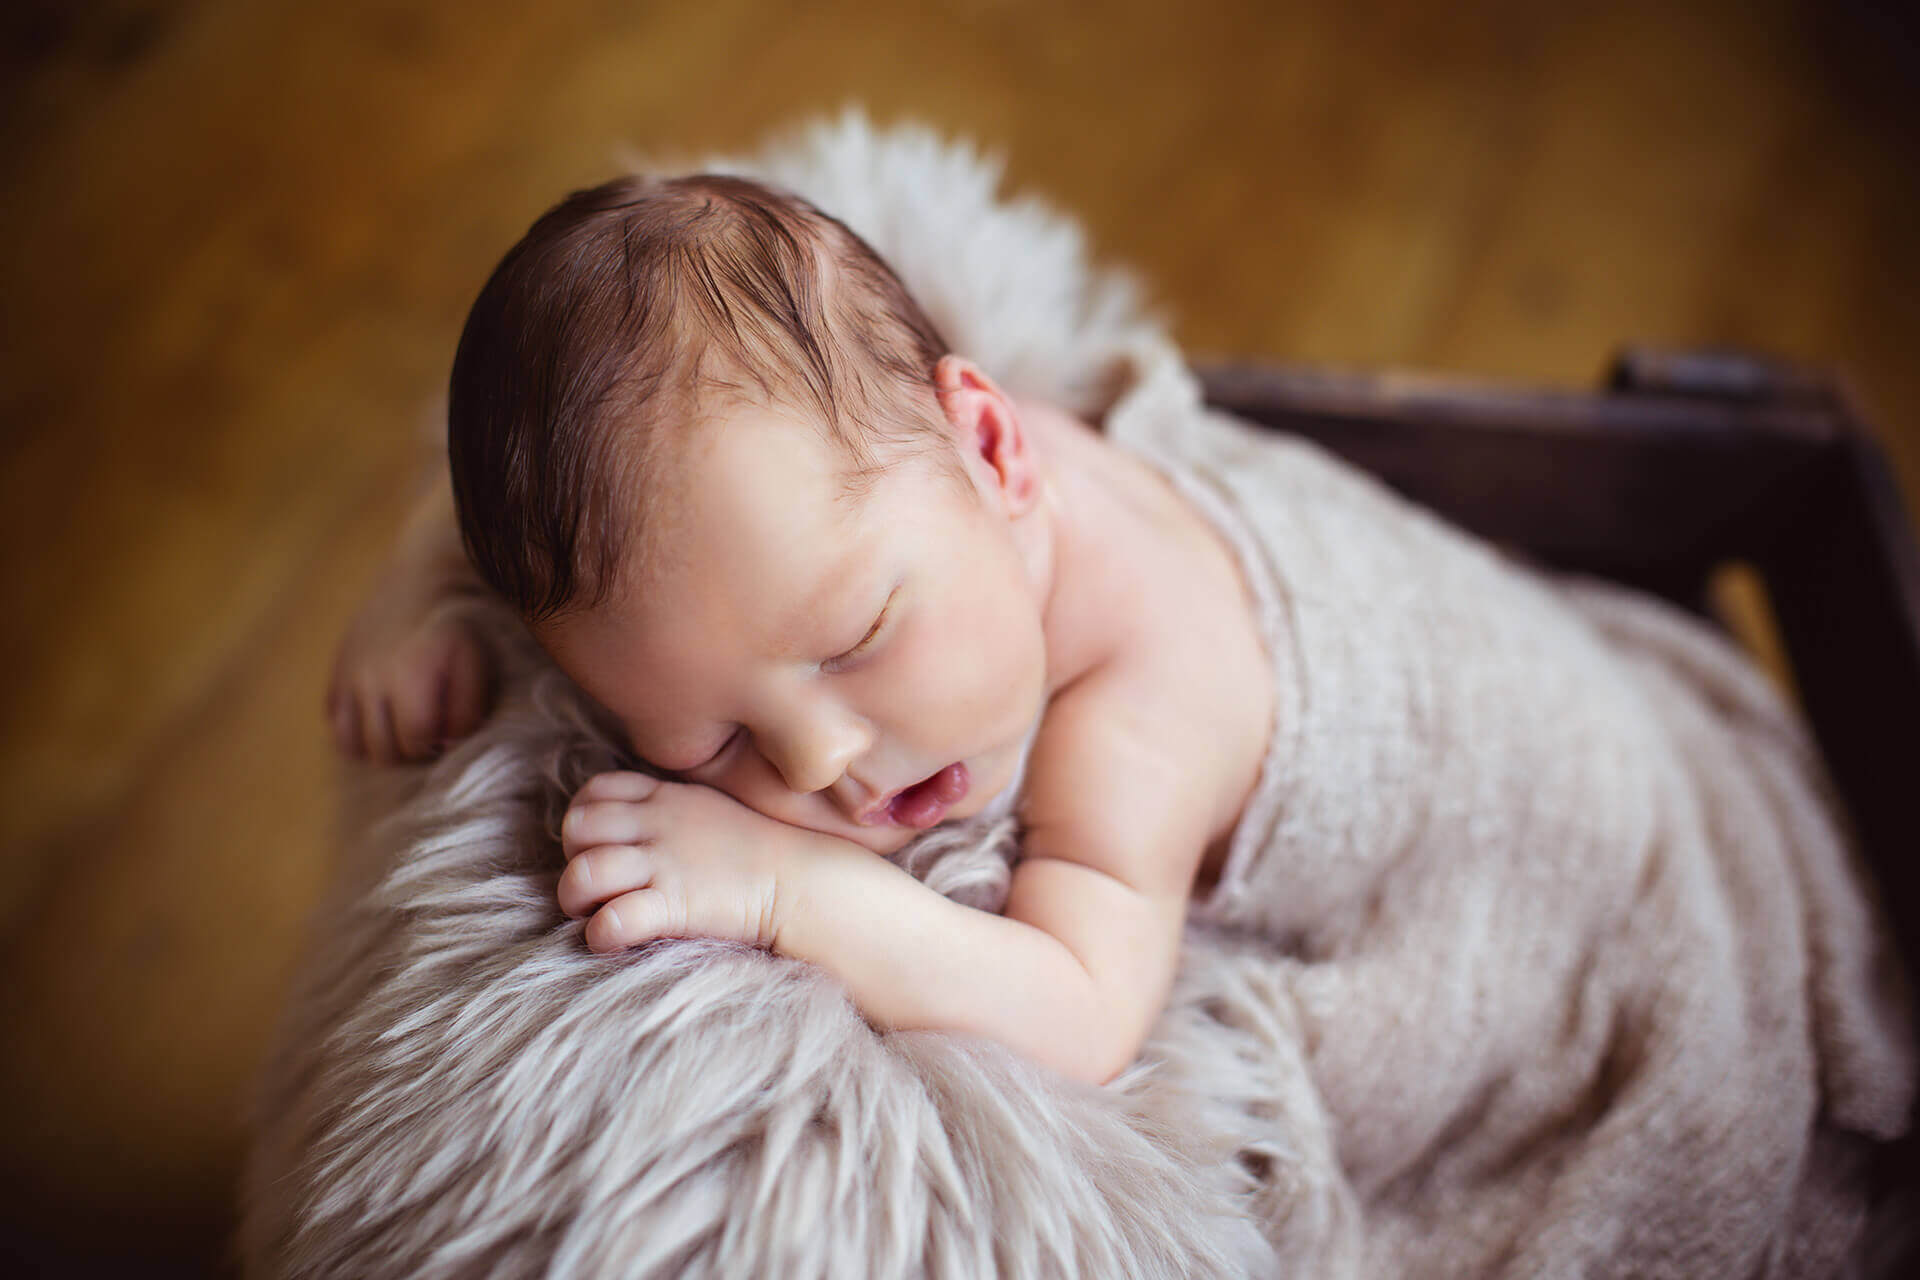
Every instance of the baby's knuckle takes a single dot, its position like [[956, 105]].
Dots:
[[673, 914], [693, 800], [624, 785]]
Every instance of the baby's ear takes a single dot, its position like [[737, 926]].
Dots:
[[986, 425]]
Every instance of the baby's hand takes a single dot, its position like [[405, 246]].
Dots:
[[652, 859], [411, 675]]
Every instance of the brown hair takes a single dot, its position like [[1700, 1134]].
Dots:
[[604, 323]]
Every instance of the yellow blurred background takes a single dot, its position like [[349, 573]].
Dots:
[[240, 236]]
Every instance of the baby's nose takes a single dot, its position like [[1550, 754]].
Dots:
[[816, 755]]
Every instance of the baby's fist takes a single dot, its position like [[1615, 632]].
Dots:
[[411, 675], [652, 859]]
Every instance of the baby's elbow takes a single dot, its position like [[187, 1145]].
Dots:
[[1106, 1032], [1099, 1069], [1096, 1058]]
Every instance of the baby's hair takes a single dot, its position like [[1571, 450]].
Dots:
[[610, 320]]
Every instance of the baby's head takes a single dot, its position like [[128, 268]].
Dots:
[[711, 449]]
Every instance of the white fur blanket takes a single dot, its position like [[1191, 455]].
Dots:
[[1455, 1052]]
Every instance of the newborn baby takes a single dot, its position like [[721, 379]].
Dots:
[[837, 587], [1527, 936]]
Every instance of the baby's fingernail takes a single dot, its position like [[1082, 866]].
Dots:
[[613, 920]]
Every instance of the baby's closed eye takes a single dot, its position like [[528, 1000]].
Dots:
[[843, 661]]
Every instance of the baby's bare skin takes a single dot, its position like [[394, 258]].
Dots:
[[1192, 650], [802, 665]]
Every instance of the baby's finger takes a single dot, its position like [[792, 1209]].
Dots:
[[360, 708], [343, 719], [602, 874], [416, 713], [621, 784], [468, 691], [603, 822], [633, 918], [377, 730]]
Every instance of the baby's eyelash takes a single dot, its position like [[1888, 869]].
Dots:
[[866, 640]]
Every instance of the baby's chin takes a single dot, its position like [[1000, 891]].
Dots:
[[885, 841]]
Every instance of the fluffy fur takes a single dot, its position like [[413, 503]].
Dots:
[[462, 1089], [465, 1090]]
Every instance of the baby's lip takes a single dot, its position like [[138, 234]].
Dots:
[[875, 814], [880, 812]]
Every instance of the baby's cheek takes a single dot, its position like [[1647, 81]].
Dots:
[[754, 783], [820, 813], [751, 780], [757, 785]]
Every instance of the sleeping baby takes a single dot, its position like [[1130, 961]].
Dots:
[[1561, 916], [836, 586], [1556, 949]]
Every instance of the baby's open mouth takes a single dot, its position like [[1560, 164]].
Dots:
[[926, 802]]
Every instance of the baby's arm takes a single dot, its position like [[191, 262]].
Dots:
[[411, 672], [1072, 975], [1073, 980], [1077, 968]]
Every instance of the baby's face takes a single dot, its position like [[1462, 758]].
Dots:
[[864, 666]]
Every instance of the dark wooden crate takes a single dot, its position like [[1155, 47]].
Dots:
[[1681, 463]]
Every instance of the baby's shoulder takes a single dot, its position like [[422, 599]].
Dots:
[[1187, 678], [1152, 757]]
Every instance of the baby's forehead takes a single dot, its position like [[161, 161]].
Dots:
[[741, 490]]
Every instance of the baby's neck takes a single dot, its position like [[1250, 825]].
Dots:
[[1072, 524]]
